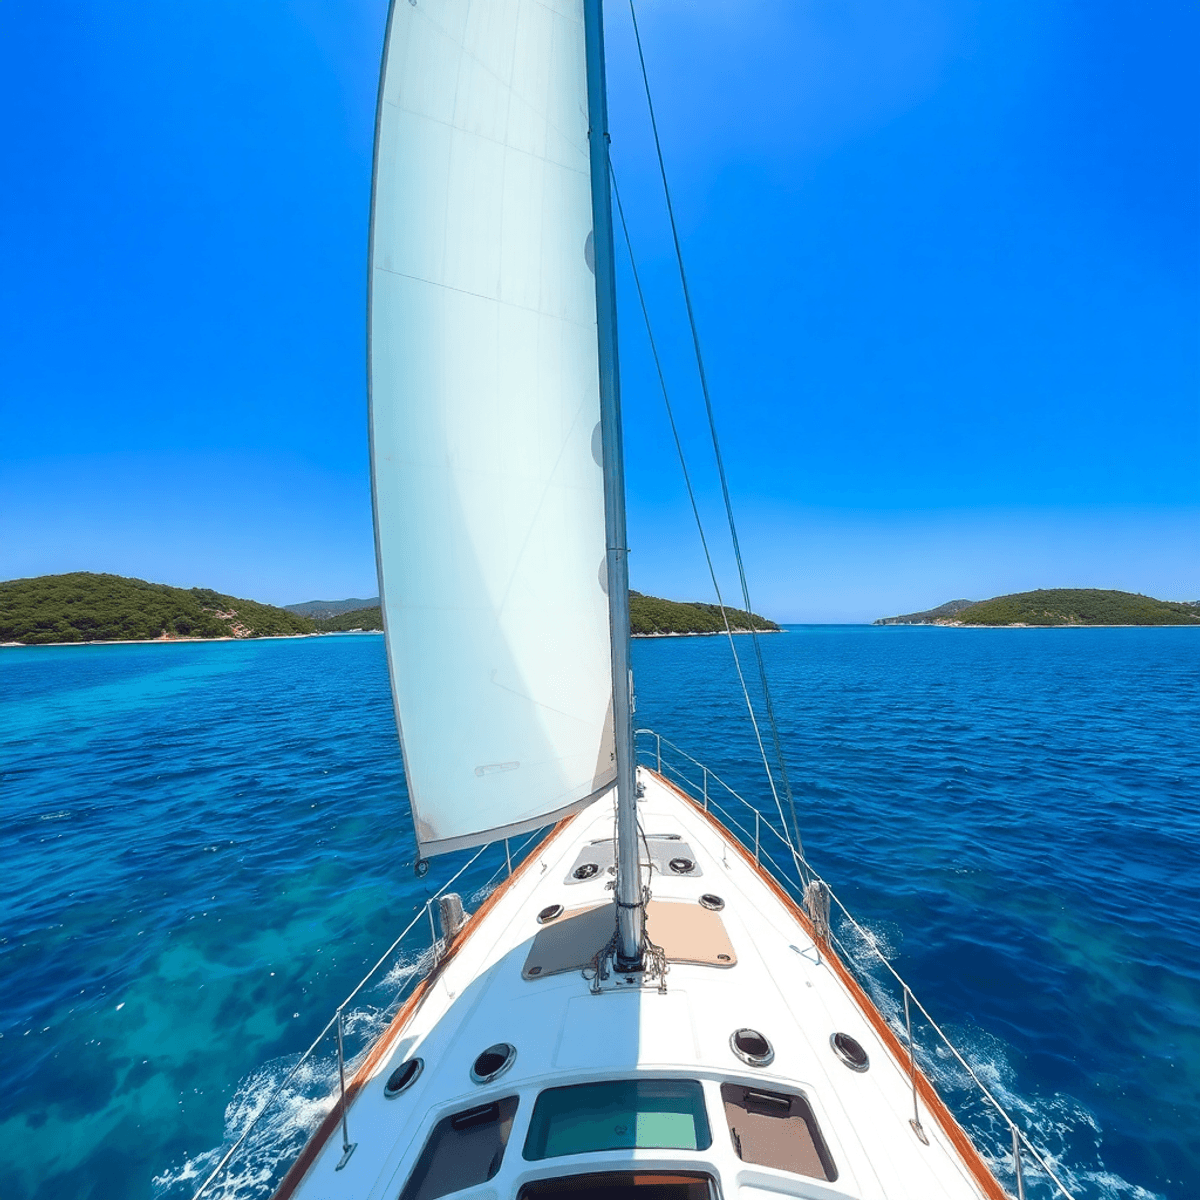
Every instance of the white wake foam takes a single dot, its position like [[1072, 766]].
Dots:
[[1064, 1131], [274, 1141]]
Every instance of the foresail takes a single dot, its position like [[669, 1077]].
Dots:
[[485, 444]]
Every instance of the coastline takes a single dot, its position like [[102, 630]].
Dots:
[[1020, 625], [704, 633], [282, 637], [180, 641]]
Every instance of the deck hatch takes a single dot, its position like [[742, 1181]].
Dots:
[[493, 1062], [752, 1047], [776, 1129], [618, 1114], [620, 1185], [624, 1185], [850, 1051], [660, 849], [403, 1077], [464, 1150]]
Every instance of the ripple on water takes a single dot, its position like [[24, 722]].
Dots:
[[206, 846]]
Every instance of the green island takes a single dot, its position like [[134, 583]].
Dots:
[[87, 607], [353, 620], [651, 617], [321, 610], [1057, 606]]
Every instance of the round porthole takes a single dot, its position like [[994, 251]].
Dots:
[[586, 870], [752, 1047], [713, 902], [549, 913], [493, 1062], [403, 1077], [682, 866], [850, 1051]]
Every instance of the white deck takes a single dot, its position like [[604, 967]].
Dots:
[[565, 1034]]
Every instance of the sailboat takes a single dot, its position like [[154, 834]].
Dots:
[[643, 1007]]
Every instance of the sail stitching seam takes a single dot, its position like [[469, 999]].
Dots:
[[480, 296]]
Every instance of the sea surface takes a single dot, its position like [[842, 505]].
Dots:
[[205, 846]]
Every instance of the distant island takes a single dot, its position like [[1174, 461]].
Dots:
[[87, 607], [322, 610], [350, 620], [1057, 606], [651, 617]]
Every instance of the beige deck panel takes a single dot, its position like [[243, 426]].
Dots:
[[571, 942], [687, 933]]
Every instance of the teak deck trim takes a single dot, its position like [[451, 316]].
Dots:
[[948, 1123], [935, 1105]]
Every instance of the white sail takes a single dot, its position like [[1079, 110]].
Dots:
[[488, 489]]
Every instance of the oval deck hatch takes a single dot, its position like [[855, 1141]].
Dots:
[[850, 1051], [493, 1062], [752, 1047], [403, 1077]]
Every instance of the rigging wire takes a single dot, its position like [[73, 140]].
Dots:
[[712, 425], [687, 480]]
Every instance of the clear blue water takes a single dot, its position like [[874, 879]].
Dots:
[[205, 846]]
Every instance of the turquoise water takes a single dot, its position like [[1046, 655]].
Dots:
[[205, 846]]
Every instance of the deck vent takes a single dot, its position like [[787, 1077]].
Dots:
[[850, 1051], [713, 902], [682, 866], [752, 1047], [549, 913], [403, 1077], [493, 1062], [586, 870]]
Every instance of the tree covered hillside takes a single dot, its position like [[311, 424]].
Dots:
[[83, 607], [1078, 606], [648, 615], [931, 616], [357, 618], [324, 610]]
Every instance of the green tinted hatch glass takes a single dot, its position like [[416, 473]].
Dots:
[[620, 1114]]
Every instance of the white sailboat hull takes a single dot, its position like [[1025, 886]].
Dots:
[[496, 984]]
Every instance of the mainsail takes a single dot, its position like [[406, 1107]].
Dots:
[[485, 410]]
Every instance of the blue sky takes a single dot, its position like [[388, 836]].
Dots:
[[945, 256]]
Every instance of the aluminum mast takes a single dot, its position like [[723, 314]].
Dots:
[[631, 913]]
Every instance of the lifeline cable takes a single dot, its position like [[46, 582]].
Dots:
[[712, 425], [796, 849]]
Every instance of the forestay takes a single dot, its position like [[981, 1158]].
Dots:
[[485, 443]]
